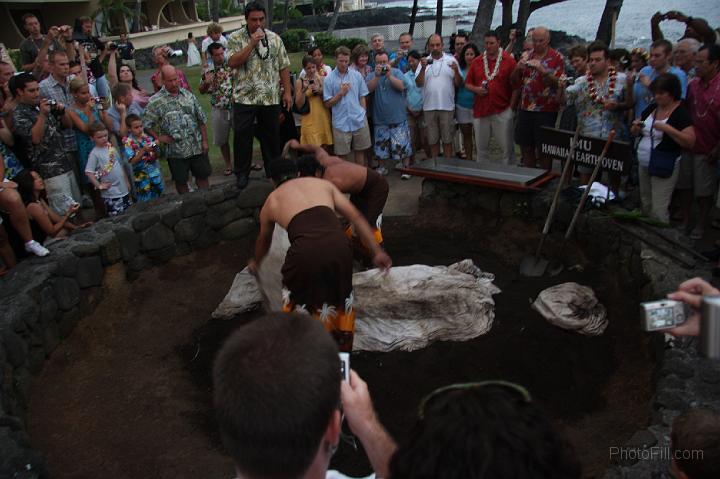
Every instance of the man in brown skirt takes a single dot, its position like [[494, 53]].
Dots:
[[317, 273]]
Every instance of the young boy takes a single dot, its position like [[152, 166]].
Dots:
[[105, 172], [141, 152]]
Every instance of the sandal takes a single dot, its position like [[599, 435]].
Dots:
[[256, 167], [697, 233], [227, 172]]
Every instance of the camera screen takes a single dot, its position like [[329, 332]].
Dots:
[[661, 318]]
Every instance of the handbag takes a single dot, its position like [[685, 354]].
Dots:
[[662, 163], [303, 110]]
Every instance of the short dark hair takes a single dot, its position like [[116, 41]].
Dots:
[[415, 54], [28, 15], [282, 170], [358, 51], [276, 386], [342, 50], [599, 46], [405, 34], [306, 60], [312, 49], [578, 51], [56, 53], [664, 44], [668, 83], [697, 430], [713, 51], [492, 33], [120, 90], [132, 117], [95, 128], [19, 82], [488, 425], [308, 165], [254, 7], [461, 60], [382, 52], [621, 56], [214, 46]]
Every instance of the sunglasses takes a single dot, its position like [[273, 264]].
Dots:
[[510, 386]]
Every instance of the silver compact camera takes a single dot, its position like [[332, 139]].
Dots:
[[153, 144], [384, 68], [662, 314], [345, 366]]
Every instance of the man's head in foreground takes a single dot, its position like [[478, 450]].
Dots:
[[277, 394]]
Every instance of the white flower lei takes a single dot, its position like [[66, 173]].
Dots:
[[490, 76]]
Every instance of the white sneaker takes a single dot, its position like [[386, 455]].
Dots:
[[382, 170], [405, 176], [36, 248]]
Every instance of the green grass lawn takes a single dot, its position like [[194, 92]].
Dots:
[[193, 76]]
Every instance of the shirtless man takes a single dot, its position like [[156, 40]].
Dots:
[[368, 190], [317, 273]]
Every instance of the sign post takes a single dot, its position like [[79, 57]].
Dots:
[[555, 144]]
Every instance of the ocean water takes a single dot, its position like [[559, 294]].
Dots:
[[581, 17]]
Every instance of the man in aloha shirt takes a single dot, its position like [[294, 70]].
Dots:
[[600, 101], [259, 62], [174, 116], [537, 73], [218, 83]]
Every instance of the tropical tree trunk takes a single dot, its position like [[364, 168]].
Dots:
[[525, 10], [286, 14], [483, 21], [439, 17], [208, 10], [507, 19], [138, 16], [413, 14], [215, 10], [336, 14], [612, 10], [269, 6]]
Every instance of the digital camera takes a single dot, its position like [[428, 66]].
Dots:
[[384, 68], [662, 314], [345, 366]]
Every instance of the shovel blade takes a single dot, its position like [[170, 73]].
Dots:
[[533, 266]]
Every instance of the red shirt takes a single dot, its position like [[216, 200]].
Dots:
[[704, 105], [499, 88], [536, 95]]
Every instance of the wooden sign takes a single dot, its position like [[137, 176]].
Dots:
[[555, 144]]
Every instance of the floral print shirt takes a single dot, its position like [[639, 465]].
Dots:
[[257, 81], [178, 116], [12, 164], [132, 145], [594, 119], [536, 95], [221, 87], [48, 157]]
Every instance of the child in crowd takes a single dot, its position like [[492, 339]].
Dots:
[[105, 171], [141, 151]]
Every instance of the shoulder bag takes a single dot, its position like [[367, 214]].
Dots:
[[662, 163]]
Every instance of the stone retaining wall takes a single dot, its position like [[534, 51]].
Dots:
[[684, 380], [44, 298]]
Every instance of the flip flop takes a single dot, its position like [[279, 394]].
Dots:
[[256, 167], [228, 172]]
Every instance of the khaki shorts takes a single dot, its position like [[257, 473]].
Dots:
[[440, 126], [358, 140], [221, 122], [697, 174]]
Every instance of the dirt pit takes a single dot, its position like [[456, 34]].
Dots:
[[128, 395]]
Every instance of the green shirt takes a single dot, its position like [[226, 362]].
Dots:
[[179, 117], [257, 81]]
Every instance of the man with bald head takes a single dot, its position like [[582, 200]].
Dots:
[[175, 118], [537, 72], [438, 75]]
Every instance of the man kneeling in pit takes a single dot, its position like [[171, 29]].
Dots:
[[368, 189], [317, 273]]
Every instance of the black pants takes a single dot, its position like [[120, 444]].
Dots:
[[266, 130]]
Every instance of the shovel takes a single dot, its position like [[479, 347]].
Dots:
[[534, 266]]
